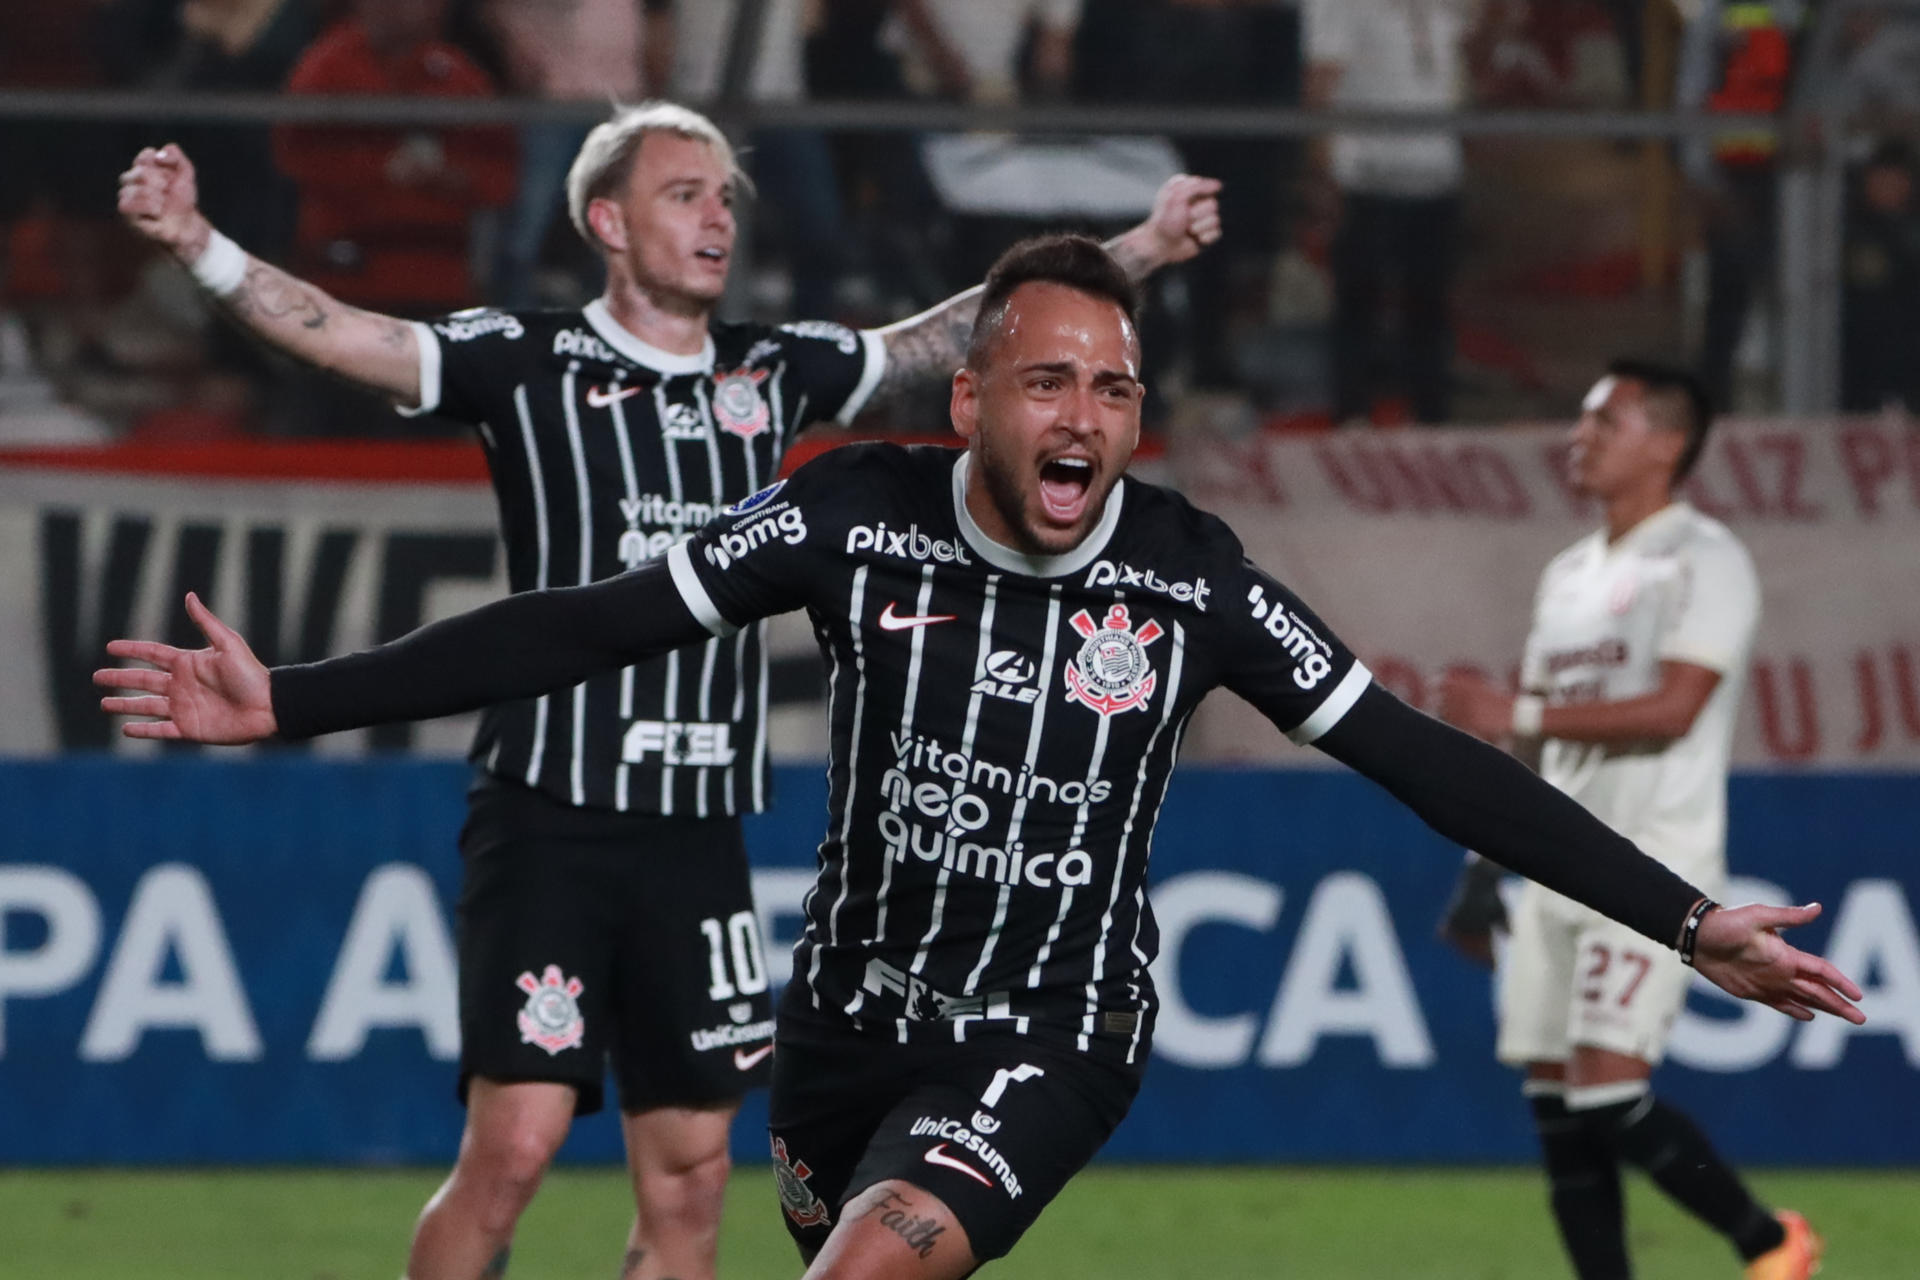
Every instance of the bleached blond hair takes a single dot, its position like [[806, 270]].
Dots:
[[606, 157]]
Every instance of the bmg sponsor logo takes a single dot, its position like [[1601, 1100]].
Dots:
[[906, 544], [464, 326], [788, 525], [1312, 656]]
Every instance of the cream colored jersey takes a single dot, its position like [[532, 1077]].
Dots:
[[1679, 587]]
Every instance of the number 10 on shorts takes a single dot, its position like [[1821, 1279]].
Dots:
[[737, 940]]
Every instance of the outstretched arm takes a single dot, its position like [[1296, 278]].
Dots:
[[1185, 220], [531, 643], [160, 200], [1481, 797]]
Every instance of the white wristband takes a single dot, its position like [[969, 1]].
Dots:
[[221, 267], [1528, 710]]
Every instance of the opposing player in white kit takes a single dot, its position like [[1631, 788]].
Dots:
[[1631, 682]]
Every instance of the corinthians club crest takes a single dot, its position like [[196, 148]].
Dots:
[[1112, 672], [551, 1018], [796, 1197], [738, 405]]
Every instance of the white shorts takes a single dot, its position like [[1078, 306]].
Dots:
[[1570, 976]]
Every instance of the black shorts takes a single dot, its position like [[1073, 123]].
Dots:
[[586, 934], [993, 1126]]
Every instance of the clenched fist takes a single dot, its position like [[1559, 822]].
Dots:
[[159, 199]]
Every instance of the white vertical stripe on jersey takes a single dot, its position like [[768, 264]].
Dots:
[[717, 497], [537, 751], [670, 692], [918, 647], [981, 652], [739, 701], [855, 607], [578, 448], [709, 651], [1140, 894], [1174, 669], [630, 476], [776, 404], [717, 494], [760, 733], [1036, 722]]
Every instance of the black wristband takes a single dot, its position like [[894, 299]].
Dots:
[[1690, 929]]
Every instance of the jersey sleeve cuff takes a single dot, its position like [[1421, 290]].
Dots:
[[429, 394], [876, 364], [1334, 706], [694, 593]]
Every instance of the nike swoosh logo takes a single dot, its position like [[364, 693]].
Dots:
[[748, 1061], [938, 1155], [601, 399], [890, 621]]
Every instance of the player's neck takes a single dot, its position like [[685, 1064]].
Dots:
[[671, 324], [1626, 511]]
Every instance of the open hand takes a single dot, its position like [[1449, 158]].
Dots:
[[220, 694], [160, 199], [1185, 217], [1740, 951]]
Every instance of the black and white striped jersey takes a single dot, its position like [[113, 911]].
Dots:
[[605, 451], [1002, 730]]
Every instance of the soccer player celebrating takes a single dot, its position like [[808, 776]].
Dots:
[[603, 852], [1017, 635], [1632, 676]]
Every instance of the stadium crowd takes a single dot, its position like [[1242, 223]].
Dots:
[[1378, 277]]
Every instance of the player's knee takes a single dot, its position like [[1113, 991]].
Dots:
[[508, 1166], [685, 1196]]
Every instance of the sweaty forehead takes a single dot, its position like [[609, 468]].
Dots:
[[1046, 321]]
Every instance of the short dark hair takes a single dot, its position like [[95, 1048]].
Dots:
[[1677, 399], [1075, 261]]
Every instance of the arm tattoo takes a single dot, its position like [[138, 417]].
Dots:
[[498, 1267], [272, 294], [928, 347], [896, 1215], [631, 1267], [393, 333]]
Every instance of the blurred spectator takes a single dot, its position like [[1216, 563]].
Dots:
[[894, 214], [792, 169], [237, 46], [386, 214], [1736, 57], [987, 51], [57, 196], [1878, 86], [1880, 310], [1398, 193], [587, 50], [1215, 53]]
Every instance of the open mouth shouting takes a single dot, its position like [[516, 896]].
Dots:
[[1066, 486]]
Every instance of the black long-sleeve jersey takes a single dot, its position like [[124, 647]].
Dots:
[[605, 451], [1002, 730], [1004, 726]]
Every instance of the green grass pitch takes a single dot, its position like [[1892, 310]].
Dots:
[[1169, 1223]]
